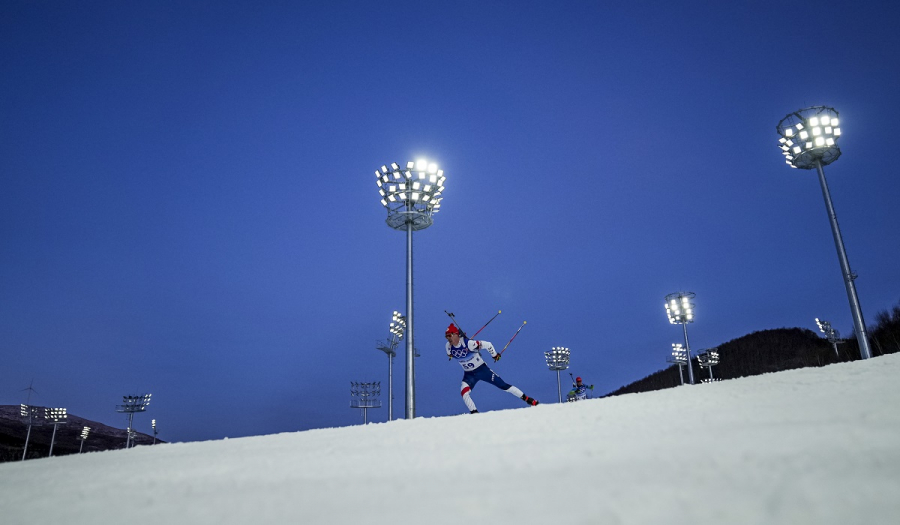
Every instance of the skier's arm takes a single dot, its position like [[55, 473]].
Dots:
[[485, 345]]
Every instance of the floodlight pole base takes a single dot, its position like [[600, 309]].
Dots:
[[856, 310]]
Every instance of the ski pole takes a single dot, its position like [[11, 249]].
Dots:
[[487, 323], [514, 336]]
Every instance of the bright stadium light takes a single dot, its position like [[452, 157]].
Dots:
[[411, 195], [83, 437], [397, 329], [680, 310], [32, 417], [557, 360], [679, 357], [365, 396], [130, 405], [55, 417], [830, 333], [155, 430], [709, 359], [808, 140]]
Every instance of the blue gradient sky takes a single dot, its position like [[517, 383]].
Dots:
[[188, 206]]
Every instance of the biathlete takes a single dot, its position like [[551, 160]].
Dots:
[[468, 353]]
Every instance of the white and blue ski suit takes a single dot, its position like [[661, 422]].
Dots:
[[468, 355]]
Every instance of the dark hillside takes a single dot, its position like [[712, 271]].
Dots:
[[757, 353], [101, 437]]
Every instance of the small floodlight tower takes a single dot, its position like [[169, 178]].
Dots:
[[365, 396], [680, 310], [56, 417], [155, 430], [830, 333], [557, 360], [411, 196], [32, 417], [808, 140], [397, 328], [130, 405], [83, 437], [679, 357], [709, 359]]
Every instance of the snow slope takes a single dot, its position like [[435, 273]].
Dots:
[[816, 445]]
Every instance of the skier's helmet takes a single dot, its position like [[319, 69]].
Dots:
[[452, 329], [577, 379]]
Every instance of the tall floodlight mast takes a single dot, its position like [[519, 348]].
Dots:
[[83, 437], [130, 405], [679, 357], [557, 360], [411, 196], [365, 396], [33, 418], [808, 140], [56, 417], [397, 328], [680, 310]]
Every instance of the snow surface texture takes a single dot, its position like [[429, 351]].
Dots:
[[816, 445]]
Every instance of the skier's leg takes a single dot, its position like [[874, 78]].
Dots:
[[467, 399], [498, 382]]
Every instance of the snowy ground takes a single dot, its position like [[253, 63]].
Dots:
[[816, 446]]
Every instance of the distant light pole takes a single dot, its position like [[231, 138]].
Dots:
[[709, 359], [679, 357], [56, 417], [83, 437], [31, 417], [411, 196], [557, 360], [130, 405], [155, 430], [365, 396], [680, 310], [809, 140], [397, 328], [830, 333]]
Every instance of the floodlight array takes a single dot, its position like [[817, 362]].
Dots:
[[679, 307], [132, 404], [364, 395], [84, 433], [557, 358], [398, 325], [708, 358], [679, 355], [808, 136], [411, 194], [829, 331], [55, 415]]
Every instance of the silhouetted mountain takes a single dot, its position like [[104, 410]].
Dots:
[[775, 350], [101, 437]]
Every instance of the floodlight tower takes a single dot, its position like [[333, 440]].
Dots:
[[130, 405], [411, 196], [83, 437], [558, 359], [709, 359], [808, 139], [56, 417], [680, 310], [397, 328], [830, 333], [155, 430], [32, 417], [679, 357], [365, 396]]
